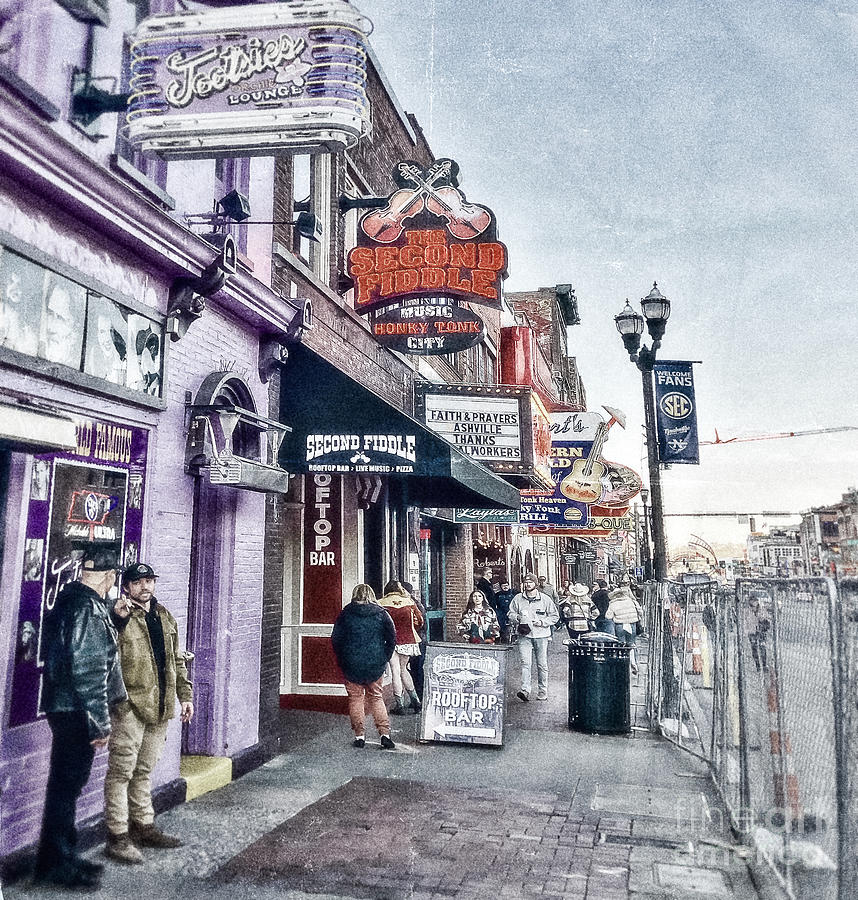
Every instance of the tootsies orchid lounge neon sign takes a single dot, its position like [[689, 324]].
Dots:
[[249, 79], [427, 241]]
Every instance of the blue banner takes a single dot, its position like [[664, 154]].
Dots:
[[676, 412]]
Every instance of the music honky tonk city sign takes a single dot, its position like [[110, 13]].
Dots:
[[428, 246]]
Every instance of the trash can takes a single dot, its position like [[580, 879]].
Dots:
[[599, 685]]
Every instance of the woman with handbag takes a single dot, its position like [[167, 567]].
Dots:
[[626, 614], [479, 622], [408, 621]]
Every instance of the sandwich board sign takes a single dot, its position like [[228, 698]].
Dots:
[[463, 693]]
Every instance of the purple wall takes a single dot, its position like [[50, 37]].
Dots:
[[218, 341]]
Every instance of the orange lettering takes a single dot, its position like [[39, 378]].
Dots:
[[463, 255], [484, 283], [386, 258], [432, 278], [405, 280], [412, 257], [360, 261], [492, 256], [457, 283]]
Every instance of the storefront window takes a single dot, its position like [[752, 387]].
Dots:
[[94, 494], [46, 315]]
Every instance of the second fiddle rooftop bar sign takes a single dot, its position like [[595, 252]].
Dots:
[[421, 255]]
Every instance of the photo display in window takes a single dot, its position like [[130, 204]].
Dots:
[[44, 314]]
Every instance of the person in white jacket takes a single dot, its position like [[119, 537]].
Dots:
[[533, 614], [626, 613]]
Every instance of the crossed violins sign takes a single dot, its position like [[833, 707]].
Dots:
[[420, 255]]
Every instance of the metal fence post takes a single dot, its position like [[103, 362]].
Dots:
[[782, 755], [839, 697], [745, 813]]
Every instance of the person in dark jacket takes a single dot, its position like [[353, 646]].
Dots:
[[364, 638], [415, 663], [601, 600], [503, 598], [81, 681]]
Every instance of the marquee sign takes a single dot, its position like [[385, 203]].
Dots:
[[505, 427], [430, 326], [428, 241], [249, 80]]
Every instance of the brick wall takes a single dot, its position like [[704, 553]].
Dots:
[[460, 578], [272, 604]]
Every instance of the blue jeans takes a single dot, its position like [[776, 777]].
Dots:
[[526, 646]]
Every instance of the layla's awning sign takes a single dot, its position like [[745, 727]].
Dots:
[[428, 241], [676, 413], [249, 80]]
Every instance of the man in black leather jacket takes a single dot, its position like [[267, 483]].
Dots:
[[81, 680]]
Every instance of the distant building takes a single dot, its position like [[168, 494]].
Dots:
[[820, 539], [776, 554]]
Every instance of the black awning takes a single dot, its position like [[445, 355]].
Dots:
[[339, 426]]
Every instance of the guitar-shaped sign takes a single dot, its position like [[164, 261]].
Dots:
[[585, 482]]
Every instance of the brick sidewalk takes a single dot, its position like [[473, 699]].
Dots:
[[553, 813]]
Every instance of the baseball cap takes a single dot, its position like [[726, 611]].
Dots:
[[100, 558], [138, 571]]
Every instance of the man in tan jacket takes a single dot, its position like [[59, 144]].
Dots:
[[155, 672]]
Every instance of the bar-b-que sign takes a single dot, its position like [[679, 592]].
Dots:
[[427, 247]]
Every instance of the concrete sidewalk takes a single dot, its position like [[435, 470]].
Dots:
[[553, 813]]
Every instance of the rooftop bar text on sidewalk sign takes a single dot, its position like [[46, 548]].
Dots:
[[249, 80], [463, 693], [676, 412]]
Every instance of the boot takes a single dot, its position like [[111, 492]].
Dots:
[[120, 848], [152, 836], [416, 705], [399, 706]]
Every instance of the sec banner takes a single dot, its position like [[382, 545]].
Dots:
[[676, 412]]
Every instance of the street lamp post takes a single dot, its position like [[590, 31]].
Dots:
[[646, 556], [630, 325]]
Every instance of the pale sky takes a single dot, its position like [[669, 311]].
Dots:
[[710, 146]]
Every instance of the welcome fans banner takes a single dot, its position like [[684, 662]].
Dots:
[[676, 412]]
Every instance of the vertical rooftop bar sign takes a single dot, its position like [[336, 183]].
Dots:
[[249, 80]]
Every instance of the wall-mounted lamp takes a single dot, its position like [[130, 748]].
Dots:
[[188, 295], [89, 102], [347, 204], [236, 207]]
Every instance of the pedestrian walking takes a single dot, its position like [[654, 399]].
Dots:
[[407, 620], [364, 638], [81, 681], [578, 612], [533, 615], [548, 589], [155, 671], [601, 600], [626, 614], [415, 663], [479, 623], [503, 598]]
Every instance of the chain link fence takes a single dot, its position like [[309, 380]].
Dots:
[[761, 681]]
